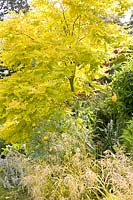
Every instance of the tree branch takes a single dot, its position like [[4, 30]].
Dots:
[[71, 80], [64, 17], [73, 27]]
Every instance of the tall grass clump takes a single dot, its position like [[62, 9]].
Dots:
[[82, 177]]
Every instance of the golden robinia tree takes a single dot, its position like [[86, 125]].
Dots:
[[54, 49]]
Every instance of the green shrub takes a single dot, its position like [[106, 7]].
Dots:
[[127, 137], [122, 85], [69, 133], [113, 108], [107, 124], [2, 145]]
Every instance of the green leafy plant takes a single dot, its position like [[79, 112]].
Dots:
[[48, 144], [2, 145], [127, 137], [109, 121], [123, 87]]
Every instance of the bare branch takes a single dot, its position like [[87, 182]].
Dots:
[[73, 27], [64, 17]]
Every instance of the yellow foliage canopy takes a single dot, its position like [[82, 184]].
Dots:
[[55, 49]]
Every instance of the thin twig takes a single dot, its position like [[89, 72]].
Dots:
[[73, 27], [64, 17]]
